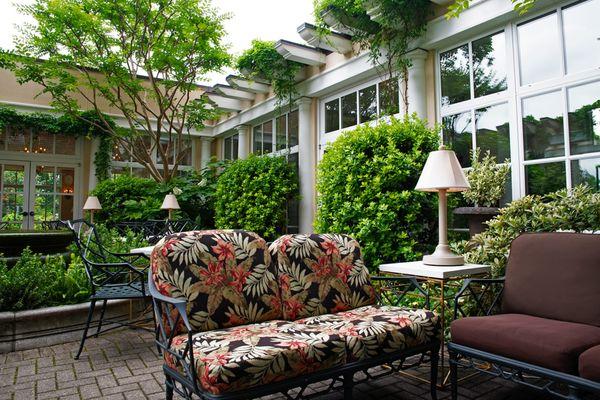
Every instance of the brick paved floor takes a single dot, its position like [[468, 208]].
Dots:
[[125, 365]]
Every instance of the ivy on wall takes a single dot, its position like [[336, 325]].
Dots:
[[65, 125]]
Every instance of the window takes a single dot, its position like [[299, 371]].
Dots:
[[230, 147], [293, 129], [124, 163], [257, 138], [582, 33], [584, 118], [454, 67], [367, 103], [389, 97], [349, 110], [542, 126], [539, 49], [32, 141], [281, 133], [332, 115], [284, 136]]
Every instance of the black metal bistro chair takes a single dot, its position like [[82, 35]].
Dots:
[[112, 276]]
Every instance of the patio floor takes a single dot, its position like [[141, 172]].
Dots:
[[125, 365]]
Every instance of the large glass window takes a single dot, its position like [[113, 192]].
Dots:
[[455, 72], [543, 126], [492, 130], [586, 171], [332, 115], [389, 97], [584, 118], [293, 128], [539, 49], [545, 178], [489, 65], [367, 102], [349, 110], [281, 133], [267, 146], [27, 140], [257, 139], [458, 135], [276, 134], [582, 35]]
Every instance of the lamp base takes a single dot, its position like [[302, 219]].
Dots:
[[442, 256]]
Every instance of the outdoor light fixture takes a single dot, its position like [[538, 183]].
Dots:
[[170, 203], [442, 173], [92, 204]]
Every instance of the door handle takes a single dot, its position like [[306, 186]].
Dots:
[[31, 213]]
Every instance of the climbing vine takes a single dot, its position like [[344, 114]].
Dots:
[[65, 125], [261, 61]]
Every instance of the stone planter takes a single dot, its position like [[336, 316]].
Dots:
[[24, 330], [477, 216]]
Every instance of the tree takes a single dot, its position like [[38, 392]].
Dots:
[[139, 58]]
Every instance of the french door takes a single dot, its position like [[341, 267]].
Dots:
[[34, 192]]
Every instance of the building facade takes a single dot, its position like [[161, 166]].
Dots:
[[526, 88]]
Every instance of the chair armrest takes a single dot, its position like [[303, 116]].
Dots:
[[485, 301], [178, 304], [399, 287]]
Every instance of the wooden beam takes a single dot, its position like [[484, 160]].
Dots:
[[300, 53], [334, 41], [227, 103], [242, 83], [228, 91]]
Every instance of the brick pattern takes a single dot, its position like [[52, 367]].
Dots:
[[125, 365]]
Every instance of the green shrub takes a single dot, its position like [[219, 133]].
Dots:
[[366, 184], [578, 211], [487, 179], [252, 194]]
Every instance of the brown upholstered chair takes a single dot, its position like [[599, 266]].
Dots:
[[548, 325]]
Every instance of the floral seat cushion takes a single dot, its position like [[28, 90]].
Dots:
[[241, 357], [226, 276], [374, 330], [320, 274]]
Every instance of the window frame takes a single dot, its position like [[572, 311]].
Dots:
[[273, 120]]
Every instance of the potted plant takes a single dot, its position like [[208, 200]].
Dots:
[[488, 182]]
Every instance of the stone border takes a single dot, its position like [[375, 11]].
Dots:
[[23, 330]]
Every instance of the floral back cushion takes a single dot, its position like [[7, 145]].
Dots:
[[320, 274], [226, 276]]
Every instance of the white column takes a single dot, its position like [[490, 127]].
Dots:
[[93, 181], [243, 140], [417, 87], [205, 151], [306, 167]]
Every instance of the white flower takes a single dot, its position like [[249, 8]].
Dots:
[[177, 191]]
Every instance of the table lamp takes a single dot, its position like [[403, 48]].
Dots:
[[170, 203], [92, 204], [442, 173]]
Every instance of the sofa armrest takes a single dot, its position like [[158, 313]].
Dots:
[[393, 289], [479, 297]]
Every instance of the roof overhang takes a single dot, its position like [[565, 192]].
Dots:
[[333, 41], [300, 53], [241, 83]]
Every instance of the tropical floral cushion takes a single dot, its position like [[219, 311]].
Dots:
[[226, 276], [320, 274], [374, 330], [241, 357]]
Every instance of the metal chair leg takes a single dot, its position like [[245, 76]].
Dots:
[[453, 375], [101, 318], [169, 388], [87, 326], [435, 357]]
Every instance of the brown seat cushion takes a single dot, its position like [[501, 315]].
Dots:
[[554, 275], [543, 342], [589, 364]]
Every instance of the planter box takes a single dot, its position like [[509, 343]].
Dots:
[[24, 330]]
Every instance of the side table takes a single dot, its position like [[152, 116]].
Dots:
[[440, 276]]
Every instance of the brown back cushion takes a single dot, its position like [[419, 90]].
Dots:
[[554, 275], [226, 276], [320, 274]]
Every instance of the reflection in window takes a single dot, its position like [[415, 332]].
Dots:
[[454, 69], [457, 132], [586, 172], [293, 128], [227, 148], [545, 178], [367, 101], [489, 64], [543, 126], [582, 33], [539, 49], [332, 115], [234, 146], [267, 137], [492, 131], [18, 139], [257, 140], [43, 142], [584, 118], [389, 97], [280, 133], [349, 110]]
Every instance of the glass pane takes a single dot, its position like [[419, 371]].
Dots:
[[454, 71], [64, 207], [267, 137], [367, 101], [492, 131], [584, 118], [227, 148], [257, 140], [293, 128], [543, 126], [119, 152], [234, 149], [545, 178], [11, 196], [18, 140], [349, 110], [3, 138], [582, 35], [457, 130], [43, 142], [539, 49], [13, 176], [332, 115], [44, 179], [489, 64], [65, 180], [280, 134], [586, 171], [45, 206], [185, 157], [389, 97], [65, 145]]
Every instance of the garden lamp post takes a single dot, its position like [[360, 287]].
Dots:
[[92, 204], [170, 203], [442, 173]]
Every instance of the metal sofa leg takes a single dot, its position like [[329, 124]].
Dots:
[[435, 357], [574, 393], [169, 388], [101, 318], [453, 375], [87, 326], [348, 385]]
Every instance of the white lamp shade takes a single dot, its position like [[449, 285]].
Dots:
[[170, 203], [442, 171], [92, 203]]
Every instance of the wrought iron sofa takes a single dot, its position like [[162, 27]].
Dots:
[[541, 323], [240, 319]]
